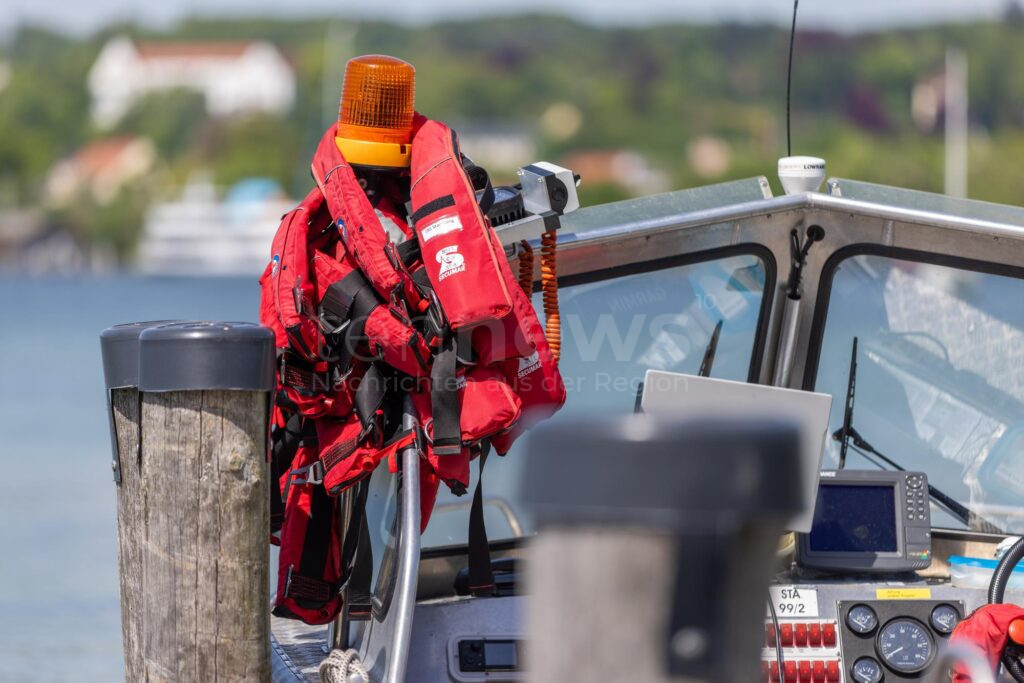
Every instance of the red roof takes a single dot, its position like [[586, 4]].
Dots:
[[190, 50], [98, 155]]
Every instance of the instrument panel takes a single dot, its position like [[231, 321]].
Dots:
[[895, 639], [852, 632]]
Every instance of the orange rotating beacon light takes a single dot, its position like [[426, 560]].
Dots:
[[376, 113], [375, 130]]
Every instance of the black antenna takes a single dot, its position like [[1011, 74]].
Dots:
[[789, 81]]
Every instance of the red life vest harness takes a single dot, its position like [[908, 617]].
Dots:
[[367, 310]]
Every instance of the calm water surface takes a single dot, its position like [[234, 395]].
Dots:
[[59, 608]]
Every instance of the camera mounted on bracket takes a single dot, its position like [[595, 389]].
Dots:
[[527, 209]]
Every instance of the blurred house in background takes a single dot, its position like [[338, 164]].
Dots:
[[30, 243], [498, 147], [203, 234], [928, 101], [100, 169], [234, 78], [624, 168]]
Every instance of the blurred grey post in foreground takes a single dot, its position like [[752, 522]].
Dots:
[[656, 546], [189, 420]]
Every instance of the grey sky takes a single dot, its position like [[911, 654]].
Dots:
[[83, 17]]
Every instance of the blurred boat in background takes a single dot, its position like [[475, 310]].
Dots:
[[201, 233]]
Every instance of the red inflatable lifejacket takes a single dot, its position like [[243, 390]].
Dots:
[[361, 321]]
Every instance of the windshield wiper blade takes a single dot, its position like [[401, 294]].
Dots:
[[847, 433], [851, 390], [709, 353]]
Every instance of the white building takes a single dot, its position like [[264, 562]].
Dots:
[[234, 77]]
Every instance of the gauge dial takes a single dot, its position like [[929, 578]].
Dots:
[[867, 670], [944, 619], [861, 619], [905, 645]]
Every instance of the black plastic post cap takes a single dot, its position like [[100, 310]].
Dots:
[[205, 355], [119, 346], [658, 471]]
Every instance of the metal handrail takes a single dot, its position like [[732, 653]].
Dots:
[[404, 601]]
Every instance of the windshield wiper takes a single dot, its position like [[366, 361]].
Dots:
[[847, 433], [843, 435], [709, 353]]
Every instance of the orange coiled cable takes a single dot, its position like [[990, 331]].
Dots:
[[549, 287], [526, 268]]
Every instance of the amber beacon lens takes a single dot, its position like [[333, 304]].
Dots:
[[375, 119]]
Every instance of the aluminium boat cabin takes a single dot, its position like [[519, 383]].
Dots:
[[931, 287]]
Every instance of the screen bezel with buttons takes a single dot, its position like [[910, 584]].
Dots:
[[912, 519]]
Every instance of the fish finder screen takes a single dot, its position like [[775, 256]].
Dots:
[[854, 519]]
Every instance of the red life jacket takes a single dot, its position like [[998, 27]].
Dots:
[[440, 317]]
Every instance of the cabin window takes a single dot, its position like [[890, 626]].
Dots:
[[613, 330], [940, 379]]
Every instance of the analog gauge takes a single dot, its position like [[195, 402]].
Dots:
[[944, 619], [861, 619], [867, 670], [905, 645]]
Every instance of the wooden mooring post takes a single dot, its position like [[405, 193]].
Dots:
[[656, 546], [189, 409]]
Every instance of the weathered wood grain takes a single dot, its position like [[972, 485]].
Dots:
[[201, 525], [125, 404]]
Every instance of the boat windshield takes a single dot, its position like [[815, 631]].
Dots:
[[614, 327], [940, 379]]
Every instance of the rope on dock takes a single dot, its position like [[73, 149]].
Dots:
[[343, 666]]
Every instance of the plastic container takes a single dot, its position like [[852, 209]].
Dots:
[[975, 572]]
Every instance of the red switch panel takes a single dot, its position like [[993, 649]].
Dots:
[[828, 635], [814, 635], [800, 635]]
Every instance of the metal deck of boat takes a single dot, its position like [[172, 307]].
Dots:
[[296, 650]]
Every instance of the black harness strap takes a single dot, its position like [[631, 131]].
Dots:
[[408, 252], [481, 181], [369, 402], [307, 589], [444, 399], [481, 577], [344, 308], [432, 206], [301, 375], [360, 581], [284, 444], [336, 453], [305, 582]]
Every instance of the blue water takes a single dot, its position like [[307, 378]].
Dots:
[[59, 605]]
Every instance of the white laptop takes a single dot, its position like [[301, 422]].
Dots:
[[691, 396]]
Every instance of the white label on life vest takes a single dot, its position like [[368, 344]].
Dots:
[[794, 601], [528, 364], [441, 226], [451, 261]]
